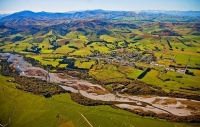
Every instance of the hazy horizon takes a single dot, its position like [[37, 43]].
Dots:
[[79, 5]]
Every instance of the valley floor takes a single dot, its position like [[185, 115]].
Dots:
[[155, 104]]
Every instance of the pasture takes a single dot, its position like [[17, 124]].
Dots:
[[60, 111]]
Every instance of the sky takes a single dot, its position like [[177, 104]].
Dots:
[[11, 6]]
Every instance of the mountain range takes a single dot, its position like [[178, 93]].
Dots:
[[41, 18]]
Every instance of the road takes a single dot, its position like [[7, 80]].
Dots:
[[86, 120]]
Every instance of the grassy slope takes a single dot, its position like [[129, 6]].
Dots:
[[33, 110]]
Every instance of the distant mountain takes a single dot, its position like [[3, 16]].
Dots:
[[72, 15], [41, 18], [64, 28], [30, 14], [3, 15]]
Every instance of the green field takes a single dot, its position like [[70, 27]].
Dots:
[[84, 43], [130, 72], [60, 110]]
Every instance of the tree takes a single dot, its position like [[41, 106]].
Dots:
[[64, 57]]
